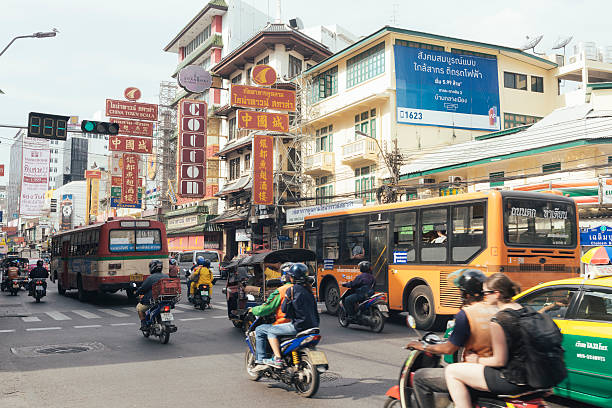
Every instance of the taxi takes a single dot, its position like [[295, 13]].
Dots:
[[582, 308]]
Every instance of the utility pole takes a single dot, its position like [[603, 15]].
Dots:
[[388, 193]]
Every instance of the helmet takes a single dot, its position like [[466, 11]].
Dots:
[[172, 261], [155, 266], [206, 263], [299, 272], [200, 260], [365, 266], [469, 281], [39, 263], [284, 268]]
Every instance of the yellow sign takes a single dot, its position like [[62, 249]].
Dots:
[[95, 196], [151, 166]]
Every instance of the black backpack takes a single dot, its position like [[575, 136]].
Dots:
[[542, 340]]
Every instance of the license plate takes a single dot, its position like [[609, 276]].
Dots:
[[136, 277], [15, 285], [167, 317], [39, 287], [204, 293], [383, 308], [317, 357]]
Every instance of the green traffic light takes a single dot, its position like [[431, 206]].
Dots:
[[89, 126]]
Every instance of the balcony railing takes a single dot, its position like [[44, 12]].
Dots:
[[360, 152], [319, 163]]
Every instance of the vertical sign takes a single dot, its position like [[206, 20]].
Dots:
[[1, 170], [92, 180], [66, 206], [191, 152], [129, 191], [35, 176], [263, 184]]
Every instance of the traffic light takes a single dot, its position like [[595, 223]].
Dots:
[[102, 128], [47, 126]]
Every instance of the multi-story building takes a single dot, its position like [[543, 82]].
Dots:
[[14, 185]]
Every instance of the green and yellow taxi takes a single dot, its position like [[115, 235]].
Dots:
[[582, 308]]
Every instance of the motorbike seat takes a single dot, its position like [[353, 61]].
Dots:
[[314, 330]]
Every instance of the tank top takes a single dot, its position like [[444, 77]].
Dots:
[[479, 316]]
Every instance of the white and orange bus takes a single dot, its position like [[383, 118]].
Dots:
[[413, 246], [107, 257]]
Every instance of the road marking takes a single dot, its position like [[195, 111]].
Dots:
[[192, 318], [7, 331], [88, 326], [131, 309], [114, 312], [57, 316], [123, 324], [178, 311], [219, 317], [219, 304], [86, 314], [29, 319], [43, 328], [183, 306]]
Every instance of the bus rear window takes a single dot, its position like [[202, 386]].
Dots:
[[125, 240], [539, 223]]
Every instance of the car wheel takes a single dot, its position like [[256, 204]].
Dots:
[[332, 297]]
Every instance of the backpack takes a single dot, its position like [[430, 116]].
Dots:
[[542, 340]]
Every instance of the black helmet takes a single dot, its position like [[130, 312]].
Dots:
[[365, 266], [40, 263], [469, 281], [155, 266], [299, 272], [206, 263]]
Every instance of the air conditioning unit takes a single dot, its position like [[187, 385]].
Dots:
[[427, 181], [454, 179]]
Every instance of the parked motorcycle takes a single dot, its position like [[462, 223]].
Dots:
[[201, 297], [372, 312], [302, 362], [38, 288], [401, 395]]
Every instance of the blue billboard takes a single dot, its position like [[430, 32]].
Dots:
[[445, 89], [596, 236]]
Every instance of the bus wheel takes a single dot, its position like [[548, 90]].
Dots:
[[332, 297], [81, 293], [422, 307]]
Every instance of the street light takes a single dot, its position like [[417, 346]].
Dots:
[[39, 34]]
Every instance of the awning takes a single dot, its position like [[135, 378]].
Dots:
[[243, 183], [231, 216], [235, 145]]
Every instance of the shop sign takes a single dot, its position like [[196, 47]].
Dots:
[[131, 110], [116, 192], [130, 144], [263, 182], [253, 120], [242, 235], [129, 194], [263, 75], [262, 98], [601, 235], [183, 222], [116, 203], [191, 151], [116, 181], [296, 215], [66, 210], [194, 78], [1, 170], [134, 127], [605, 187]]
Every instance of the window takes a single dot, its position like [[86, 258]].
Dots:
[[512, 120], [537, 84], [468, 235], [237, 79], [366, 122], [186, 257], [247, 161], [325, 139], [206, 63], [366, 65], [595, 305], [232, 129], [496, 175], [365, 182], [234, 168], [135, 240], [264, 60], [330, 239], [515, 81], [295, 66], [404, 235], [416, 44], [325, 84], [199, 39], [473, 53], [552, 301], [551, 167], [355, 240], [433, 235], [323, 192], [148, 240]]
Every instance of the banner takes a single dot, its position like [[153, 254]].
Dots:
[[66, 208], [131, 110], [254, 120], [34, 176], [129, 192], [446, 89], [255, 97], [263, 163], [295, 215], [130, 144]]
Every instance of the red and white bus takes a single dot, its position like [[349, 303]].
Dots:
[[107, 257]]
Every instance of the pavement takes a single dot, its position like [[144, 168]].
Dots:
[[64, 353]]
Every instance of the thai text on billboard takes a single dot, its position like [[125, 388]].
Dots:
[[131, 110], [445, 89], [263, 98], [134, 127], [34, 176], [263, 182]]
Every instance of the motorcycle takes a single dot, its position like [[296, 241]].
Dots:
[[201, 297], [38, 288], [302, 362], [401, 395], [371, 312], [159, 318], [14, 285]]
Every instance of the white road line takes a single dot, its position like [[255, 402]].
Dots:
[[88, 326], [123, 324], [131, 309], [29, 319], [183, 306], [178, 311], [114, 312], [219, 304], [7, 331], [86, 314], [219, 317], [43, 328], [192, 318], [57, 316]]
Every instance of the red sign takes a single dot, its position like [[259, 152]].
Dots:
[[116, 181], [262, 98], [1, 170], [263, 182], [130, 144], [131, 110], [132, 93], [93, 174], [129, 185], [263, 121], [134, 127], [191, 151], [263, 75]]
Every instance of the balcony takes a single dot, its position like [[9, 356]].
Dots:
[[319, 164], [361, 152]]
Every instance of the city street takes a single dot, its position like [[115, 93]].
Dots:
[[63, 353]]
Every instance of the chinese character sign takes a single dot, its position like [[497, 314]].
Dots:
[[263, 182], [129, 187], [191, 152], [253, 120]]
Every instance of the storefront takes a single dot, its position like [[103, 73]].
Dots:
[[190, 229]]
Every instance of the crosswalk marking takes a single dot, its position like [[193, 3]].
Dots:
[[122, 324], [192, 318], [7, 331], [43, 328], [57, 316], [178, 311], [219, 317], [87, 326], [183, 306], [29, 319], [86, 314], [114, 312]]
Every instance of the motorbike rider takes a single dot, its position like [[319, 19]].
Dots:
[[362, 285], [471, 331], [201, 275], [38, 272], [145, 291], [173, 271]]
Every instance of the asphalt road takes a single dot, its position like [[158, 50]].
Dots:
[[64, 353]]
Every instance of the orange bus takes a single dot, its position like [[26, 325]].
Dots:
[[413, 246], [107, 257]]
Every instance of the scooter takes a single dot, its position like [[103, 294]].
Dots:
[[38, 288], [158, 319], [372, 312], [14, 285], [302, 363], [201, 297], [401, 395]]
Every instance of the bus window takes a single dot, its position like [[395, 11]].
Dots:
[[312, 238], [148, 240], [404, 232], [331, 239], [468, 232], [121, 240], [355, 240], [433, 235]]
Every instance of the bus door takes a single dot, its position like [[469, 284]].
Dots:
[[379, 247], [64, 254]]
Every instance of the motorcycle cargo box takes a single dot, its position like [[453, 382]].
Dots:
[[166, 287]]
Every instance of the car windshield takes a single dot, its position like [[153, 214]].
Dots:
[[211, 256]]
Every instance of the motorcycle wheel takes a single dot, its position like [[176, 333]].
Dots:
[[164, 337], [146, 333], [37, 299], [392, 403], [343, 317], [378, 321], [237, 324], [307, 378], [202, 306], [249, 362]]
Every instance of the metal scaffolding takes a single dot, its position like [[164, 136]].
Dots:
[[166, 142]]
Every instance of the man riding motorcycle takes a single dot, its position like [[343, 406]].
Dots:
[[201, 275], [362, 285], [38, 272], [471, 331], [145, 291]]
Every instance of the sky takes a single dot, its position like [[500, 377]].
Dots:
[[106, 46]]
